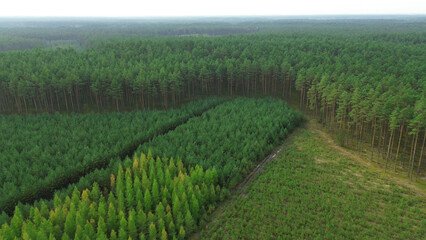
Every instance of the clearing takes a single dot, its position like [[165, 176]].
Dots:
[[314, 189]]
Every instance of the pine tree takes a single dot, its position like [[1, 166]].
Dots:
[[121, 202], [163, 234], [172, 167], [80, 219], [160, 225], [70, 222], [29, 231], [136, 182], [111, 199], [16, 223], [147, 201], [150, 217], [151, 169], [159, 211], [102, 228], [159, 172], [65, 237], [112, 182], [139, 198], [182, 233], [171, 228], [130, 195], [113, 235], [165, 195], [79, 231], [176, 208], [146, 183], [120, 180], [212, 195], [102, 211], [168, 179], [89, 231], [122, 234], [44, 210], [123, 225], [51, 237], [75, 197], [95, 193], [195, 208], [142, 220], [168, 218], [152, 231], [155, 192], [93, 212], [57, 202], [189, 222], [112, 218], [132, 226]]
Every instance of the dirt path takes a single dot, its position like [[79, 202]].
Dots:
[[351, 155], [329, 141], [239, 189]]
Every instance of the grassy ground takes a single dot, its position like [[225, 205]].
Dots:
[[315, 189]]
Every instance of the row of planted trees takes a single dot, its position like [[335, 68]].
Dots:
[[157, 198], [152, 199], [47, 152]]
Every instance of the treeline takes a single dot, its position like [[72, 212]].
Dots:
[[232, 137], [43, 153], [385, 113], [151, 199], [368, 85], [165, 71]]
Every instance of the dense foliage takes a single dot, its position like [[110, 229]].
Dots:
[[365, 80], [361, 79], [41, 153], [157, 71], [151, 199], [231, 137], [312, 191], [370, 85]]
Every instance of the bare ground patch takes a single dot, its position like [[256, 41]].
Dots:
[[350, 155]]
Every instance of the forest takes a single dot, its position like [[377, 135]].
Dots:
[[138, 206], [137, 129], [37, 159], [367, 86], [160, 186]]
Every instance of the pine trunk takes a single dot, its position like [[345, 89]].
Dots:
[[414, 157], [421, 156], [401, 130], [372, 140], [389, 146]]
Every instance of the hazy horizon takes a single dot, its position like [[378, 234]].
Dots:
[[219, 8]]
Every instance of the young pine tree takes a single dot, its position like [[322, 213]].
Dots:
[[133, 231], [189, 222], [152, 231], [147, 201], [182, 233]]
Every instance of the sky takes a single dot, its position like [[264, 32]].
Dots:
[[153, 8]]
